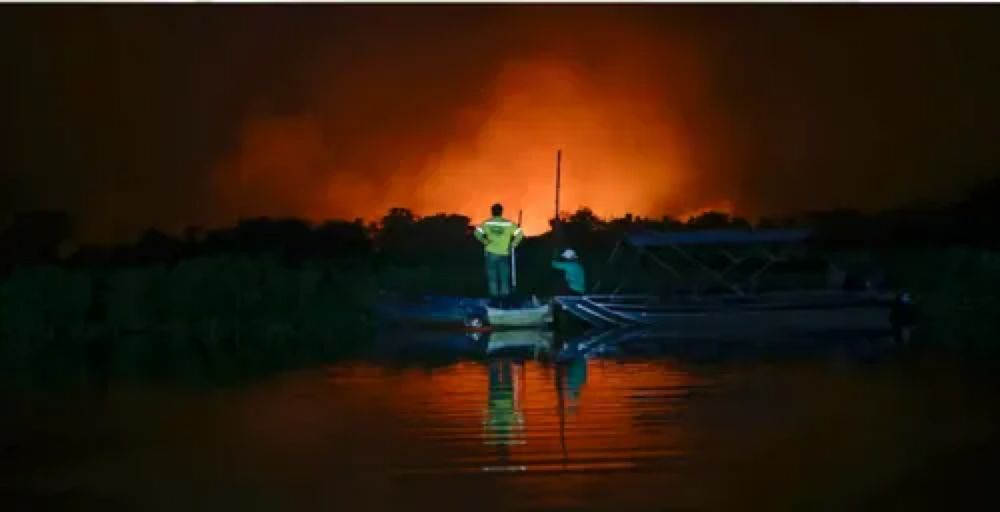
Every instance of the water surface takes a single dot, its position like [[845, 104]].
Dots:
[[657, 431]]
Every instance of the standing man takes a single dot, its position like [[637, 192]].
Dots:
[[498, 235]]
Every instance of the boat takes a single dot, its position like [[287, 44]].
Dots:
[[716, 289], [469, 313], [763, 315], [531, 314], [657, 342]]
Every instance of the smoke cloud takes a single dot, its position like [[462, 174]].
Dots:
[[149, 116], [456, 132]]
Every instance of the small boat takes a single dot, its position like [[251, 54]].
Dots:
[[470, 313], [533, 314], [716, 293]]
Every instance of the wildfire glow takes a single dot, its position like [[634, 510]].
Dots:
[[625, 149], [615, 156]]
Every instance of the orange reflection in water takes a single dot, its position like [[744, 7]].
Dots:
[[499, 415], [528, 416]]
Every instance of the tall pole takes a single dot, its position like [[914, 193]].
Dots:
[[558, 172], [513, 258], [555, 221]]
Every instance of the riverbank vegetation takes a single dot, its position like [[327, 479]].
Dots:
[[279, 281]]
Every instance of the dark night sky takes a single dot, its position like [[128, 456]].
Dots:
[[137, 116]]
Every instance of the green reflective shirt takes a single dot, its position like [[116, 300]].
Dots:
[[498, 235], [573, 271]]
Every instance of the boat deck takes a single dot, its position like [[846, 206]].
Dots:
[[773, 308]]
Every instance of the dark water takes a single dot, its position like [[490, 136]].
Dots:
[[439, 424]]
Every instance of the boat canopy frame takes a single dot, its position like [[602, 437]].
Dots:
[[760, 243]]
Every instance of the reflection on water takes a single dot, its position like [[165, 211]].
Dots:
[[528, 342], [571, 380], [504, 415], [516, 426]]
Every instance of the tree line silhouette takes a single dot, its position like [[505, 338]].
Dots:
[[404, 238], [283, 278]]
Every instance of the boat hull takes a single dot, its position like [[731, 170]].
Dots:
[[521, 317], [473, 313], [760, 318]]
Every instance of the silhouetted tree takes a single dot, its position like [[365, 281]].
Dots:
[[194, 235], [973, 219], [397, 218], [584, 220], [339, 238], [153, 247], [35, 237], [840, 228], [264, 234], [395, 232], [406, 238], [710, 220]]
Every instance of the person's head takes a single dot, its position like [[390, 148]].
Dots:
[[497, 209], [569, 254]]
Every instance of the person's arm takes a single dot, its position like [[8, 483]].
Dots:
[[561, 265], [518, 236], [480, 234]]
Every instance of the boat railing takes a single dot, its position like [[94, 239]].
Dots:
[[616, 297]]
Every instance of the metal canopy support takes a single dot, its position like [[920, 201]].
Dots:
[[715, 275], [772, 258], [625, 279], [734, 283], [611, 258], [659, 261]]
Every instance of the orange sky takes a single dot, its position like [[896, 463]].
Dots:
[[616, 155], [622, 119], [349, 110]]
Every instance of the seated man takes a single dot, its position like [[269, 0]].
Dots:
[[574, 283]]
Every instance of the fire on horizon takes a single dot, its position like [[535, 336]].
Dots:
[[132, 117], [624, 150]]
